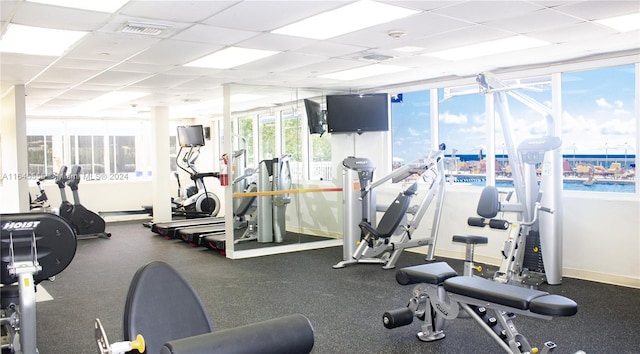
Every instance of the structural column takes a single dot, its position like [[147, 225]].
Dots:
[[14, 188], [161, 167]]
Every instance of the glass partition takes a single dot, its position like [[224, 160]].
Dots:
[[283, 195]]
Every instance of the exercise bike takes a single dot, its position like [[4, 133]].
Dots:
[[85, 222]]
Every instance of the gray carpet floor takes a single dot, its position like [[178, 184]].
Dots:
[[345, 306]]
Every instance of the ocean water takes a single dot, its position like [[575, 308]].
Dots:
[[598, 186]]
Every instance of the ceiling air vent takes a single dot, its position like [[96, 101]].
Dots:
[[149, 29], [376, 57]]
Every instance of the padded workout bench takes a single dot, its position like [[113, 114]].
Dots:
[[440, 293]]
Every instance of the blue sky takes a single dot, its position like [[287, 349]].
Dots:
[[598, 114]]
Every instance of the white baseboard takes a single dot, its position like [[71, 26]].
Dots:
[[582, 274]]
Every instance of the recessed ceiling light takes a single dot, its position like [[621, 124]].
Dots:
[[38, 40], [510, 44], [110, 6], [623, 23], [231, 57], [364, 71], [349, 18]]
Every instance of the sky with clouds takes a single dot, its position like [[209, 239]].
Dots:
[[598, 117]]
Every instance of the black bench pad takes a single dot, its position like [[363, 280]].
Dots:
[[488, 290], [432, 273], [536, 301], [470, 239], [554, 305]]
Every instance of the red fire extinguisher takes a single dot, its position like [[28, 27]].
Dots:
[[224, 170]]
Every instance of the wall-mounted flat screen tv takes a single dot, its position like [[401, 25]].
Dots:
[[358, 113], [190, 135], [315, 117]]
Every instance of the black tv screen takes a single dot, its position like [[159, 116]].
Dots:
[[358, 113], [315, 117], [190, 135]]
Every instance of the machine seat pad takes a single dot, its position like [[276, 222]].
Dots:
[[470, 239], [432, 273], [491, 291], [554, 305]]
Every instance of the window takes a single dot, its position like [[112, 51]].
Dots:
[[292, 141], [267, 148], [462, 127], [122, 154], [411, 127], [40, 155], [245, 130], [599, 128]]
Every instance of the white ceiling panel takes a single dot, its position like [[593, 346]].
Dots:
[[214, 35], [466, 36], [40, 15], [575, 32], [415, 27], [160, 80], [177, 52], [535, 21], [268, 15], [282, 62], [268, 41], [599, 9], [179, 11], [484, 11], [117, 78], [66, 75], [7, 9], [100, 46], [108, 60]]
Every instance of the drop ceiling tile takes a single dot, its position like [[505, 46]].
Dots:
[[330, 49], [416, 26], [282, 62], [83, 63], [268, 15], [599, 9], [40, 15], [179, 11], [7, 9], [214, 35], [483, 11], [575, 32], [534, 21], [173, 52], [117, 78], [101, 46], [268, 41], [161, 80], [465, 36], [66, 75]]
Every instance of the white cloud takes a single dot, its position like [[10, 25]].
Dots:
[[601, 102], [620, 112], [449, 118], [618, 103], [414, 132]]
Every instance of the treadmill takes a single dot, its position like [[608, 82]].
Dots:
[[168, 229], [192, 234]]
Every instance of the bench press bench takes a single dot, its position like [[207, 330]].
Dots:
[[440, 293]]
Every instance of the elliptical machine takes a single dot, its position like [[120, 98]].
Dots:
[[85, 222], [198, 202]]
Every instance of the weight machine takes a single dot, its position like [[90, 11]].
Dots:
[[35, 247], [364, 243], [539, 238]]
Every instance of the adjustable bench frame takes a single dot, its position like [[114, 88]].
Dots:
[[440, 294]]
